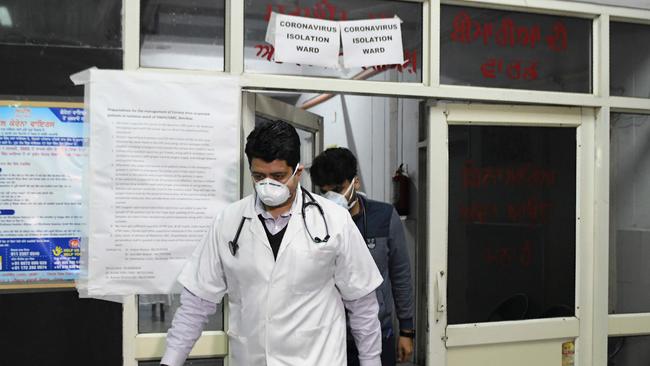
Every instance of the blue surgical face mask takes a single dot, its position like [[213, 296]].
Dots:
[[341, 198], [273, 193]]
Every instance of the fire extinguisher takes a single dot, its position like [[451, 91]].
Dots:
[[401, 191]]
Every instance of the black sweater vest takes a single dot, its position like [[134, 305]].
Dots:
[[274, 240]]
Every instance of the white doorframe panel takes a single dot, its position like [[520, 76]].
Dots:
[[443, 337]]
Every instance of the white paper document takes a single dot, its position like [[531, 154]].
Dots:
[[372, 42], [305, 41], [164, 159]]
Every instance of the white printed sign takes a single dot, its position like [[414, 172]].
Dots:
[[162, 165], [372, 42], [306, 41]]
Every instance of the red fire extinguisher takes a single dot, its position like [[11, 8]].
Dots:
[[401, 191]]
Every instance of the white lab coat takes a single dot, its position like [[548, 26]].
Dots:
[[286, 311]]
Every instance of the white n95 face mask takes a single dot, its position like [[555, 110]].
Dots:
[[340, 198], [273, 193]]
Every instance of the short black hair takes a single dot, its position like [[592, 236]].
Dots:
[[274, 140], [333, 166]]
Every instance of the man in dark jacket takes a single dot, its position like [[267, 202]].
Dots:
[[335, 172]]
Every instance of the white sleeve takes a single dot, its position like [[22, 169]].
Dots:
[[366, 329], [356, 274], [189, 321], [203, 273]]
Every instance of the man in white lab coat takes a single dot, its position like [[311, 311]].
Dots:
[[290, 261]]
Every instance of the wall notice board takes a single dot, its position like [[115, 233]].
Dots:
[[42, 160]]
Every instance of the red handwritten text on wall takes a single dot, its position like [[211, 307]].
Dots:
[[507, 256], [507, 33], [532, 210], [515, 70], [468, 30], [519, 175], [320, 10]]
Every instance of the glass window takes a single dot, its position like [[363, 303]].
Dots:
[[182, 34], [505, 49], [62, 23], [512, 214], [155, 313], [43, 42], [629, 64], [629, 213], [258, 55], [628, 351]]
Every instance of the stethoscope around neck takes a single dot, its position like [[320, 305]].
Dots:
[[234, 245]]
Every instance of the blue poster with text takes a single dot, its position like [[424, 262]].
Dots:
[[43, 154]]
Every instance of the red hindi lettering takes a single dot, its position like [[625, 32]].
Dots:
[[320, 10], [326, 10], [488, 69], [269, 10], [506, 34], [514, 70], [411, 61], [486, 31], [505, 256], [558, 40], [534, 210], [530, 72], [265, 51], [478, 212], [462, 28], [529, 37], [526, 254]]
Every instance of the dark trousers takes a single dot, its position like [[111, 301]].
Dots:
[[388, 357]]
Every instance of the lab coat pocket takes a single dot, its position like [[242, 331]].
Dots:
[[238, 349], [312, 269], [305, 341]]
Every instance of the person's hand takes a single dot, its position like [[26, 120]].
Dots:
[[404, 349]]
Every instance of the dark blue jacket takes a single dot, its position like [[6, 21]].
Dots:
[[387, 244]]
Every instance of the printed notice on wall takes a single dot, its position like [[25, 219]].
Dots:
[[305, 41], [164, 160], [372, 42], [42, 157]]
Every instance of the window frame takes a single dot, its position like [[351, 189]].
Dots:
[[445, 114]]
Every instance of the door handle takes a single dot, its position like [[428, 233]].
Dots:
[[439, 286]]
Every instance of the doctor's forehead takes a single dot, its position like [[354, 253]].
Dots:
[[261, 166]]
